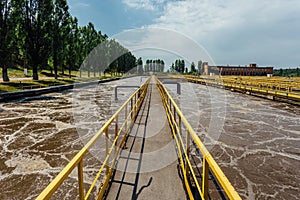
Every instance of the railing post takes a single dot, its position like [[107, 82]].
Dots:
[[135, 105], [106, 149], [187, 149], [179, 124], [131, 108], [174, 114], [80, 180], [205, 178], [116, 127], [126, 112]]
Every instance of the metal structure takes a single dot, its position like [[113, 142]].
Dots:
[[183, 134], [123, 86], [182, 129], [129, 109], [176, 83], [274, 88]]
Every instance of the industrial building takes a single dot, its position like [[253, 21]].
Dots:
[[251, 70]]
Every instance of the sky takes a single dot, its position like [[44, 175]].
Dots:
[[227, 32]]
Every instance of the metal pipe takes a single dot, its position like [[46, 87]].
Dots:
[[123, 86], [173, 82]]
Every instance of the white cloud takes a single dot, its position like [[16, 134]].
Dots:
[[144, 4], [236, 31], [78, 4], [202, 16], [153, 43], [82, 4]]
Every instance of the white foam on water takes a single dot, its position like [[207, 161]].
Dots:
[[26, 165]]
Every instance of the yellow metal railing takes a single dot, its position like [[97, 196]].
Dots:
[[183, 133], [129, 109], [276, 87]]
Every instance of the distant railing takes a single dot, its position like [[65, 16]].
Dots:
[[129, 110], [275, 88], [183, 134]]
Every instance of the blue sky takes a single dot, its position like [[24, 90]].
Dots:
[[235, 32]]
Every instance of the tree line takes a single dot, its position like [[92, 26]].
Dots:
[[157, 65], [179, 66], [42, 34], [287, 72]]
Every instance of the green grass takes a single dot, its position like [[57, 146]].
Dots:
[[46, 79], [18, 72], [13, 86]]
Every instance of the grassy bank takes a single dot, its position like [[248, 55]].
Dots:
[[18, 81], [18, 72]]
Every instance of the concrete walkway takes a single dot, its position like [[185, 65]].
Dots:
[[148, 168]]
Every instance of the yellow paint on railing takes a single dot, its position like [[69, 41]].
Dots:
[[134, 102], [183, 151], [277, 88]]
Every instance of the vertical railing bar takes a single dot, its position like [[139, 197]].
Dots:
[[106, 149], [126, 113], [187, 148], [205, 178], [174, 114], [116, 127], [131, 107], [116, 135], [135, 105], [170, 105], [179, 124], [80, 180]]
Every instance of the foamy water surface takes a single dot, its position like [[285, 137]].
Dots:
[[258, 146]]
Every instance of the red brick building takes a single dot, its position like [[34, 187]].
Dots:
[[252, 70]]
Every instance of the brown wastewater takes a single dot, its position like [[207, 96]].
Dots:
[[258, 145]]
